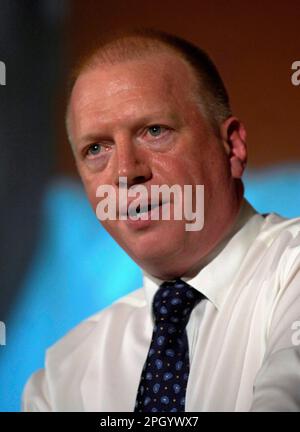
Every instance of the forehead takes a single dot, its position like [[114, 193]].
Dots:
[[152, 82]]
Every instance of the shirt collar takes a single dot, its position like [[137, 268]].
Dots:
[[223, 263]]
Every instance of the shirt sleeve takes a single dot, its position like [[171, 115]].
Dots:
[[35, 396], [277, 384]]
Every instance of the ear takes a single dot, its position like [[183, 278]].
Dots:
[[233, 135]]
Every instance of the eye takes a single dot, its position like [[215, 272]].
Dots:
[[93, 150], [156, 134], [155, 130], [96, 149]]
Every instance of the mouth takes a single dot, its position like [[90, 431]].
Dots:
[[142, 209]]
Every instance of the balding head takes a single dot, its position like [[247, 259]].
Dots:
[[210, 91]]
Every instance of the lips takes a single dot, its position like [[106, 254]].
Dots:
[[132, 210], [141, 208]]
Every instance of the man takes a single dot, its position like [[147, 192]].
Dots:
[[152, 109]]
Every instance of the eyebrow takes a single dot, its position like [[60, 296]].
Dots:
[[89, 138]]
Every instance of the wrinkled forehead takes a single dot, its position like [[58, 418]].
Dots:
[[161, 73], [131, 90]]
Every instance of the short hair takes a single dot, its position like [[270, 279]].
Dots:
[[137, 43]]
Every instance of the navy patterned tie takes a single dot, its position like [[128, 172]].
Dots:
[[165, 374]]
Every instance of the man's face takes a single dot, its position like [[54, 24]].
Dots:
[[140, 119]]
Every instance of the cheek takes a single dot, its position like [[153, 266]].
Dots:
[[186, 163], [173, 169]]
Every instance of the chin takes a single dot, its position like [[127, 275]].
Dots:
[[156, 244], [154, 253]]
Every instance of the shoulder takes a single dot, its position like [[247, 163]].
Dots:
[[281, 237], [71, 354], [279, 272], [274, 225], [98, 323]]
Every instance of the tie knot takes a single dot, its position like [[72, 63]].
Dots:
[[174, 302]]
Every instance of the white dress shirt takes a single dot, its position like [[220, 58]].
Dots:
[[244, 339]]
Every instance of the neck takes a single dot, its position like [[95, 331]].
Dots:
[[189, 271]]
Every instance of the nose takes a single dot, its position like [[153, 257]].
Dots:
[[131, 162]]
